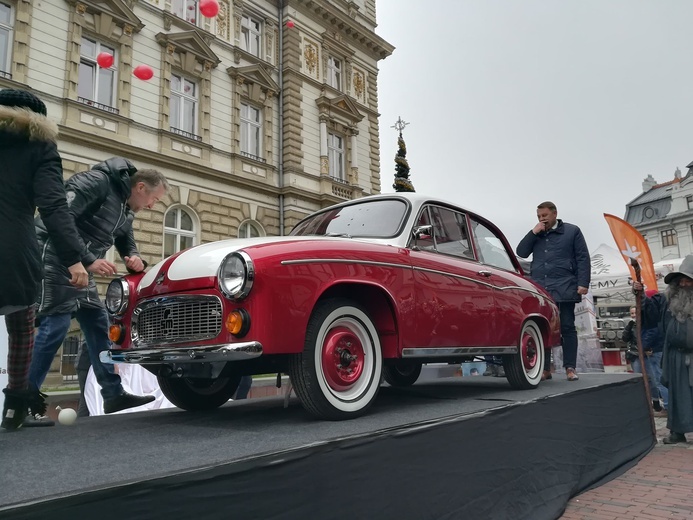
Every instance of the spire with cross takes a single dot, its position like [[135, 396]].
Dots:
[[402, 182]]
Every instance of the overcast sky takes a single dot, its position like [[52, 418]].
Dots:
[[512, 102]]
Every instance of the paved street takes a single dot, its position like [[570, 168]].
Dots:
[[660, 486]]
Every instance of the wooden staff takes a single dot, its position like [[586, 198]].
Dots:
[[638, 337]]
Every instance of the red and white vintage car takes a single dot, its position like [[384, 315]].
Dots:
[[365, 290]]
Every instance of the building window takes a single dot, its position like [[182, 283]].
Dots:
[[185, 9], [251, 130], [250, 229], [96, 84], [179, 231], [335, 155], [689, 201], [183, 113], [334, 72], [250, 35], [6, 22], [669, 238]]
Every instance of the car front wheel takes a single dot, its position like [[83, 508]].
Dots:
[[198, 394], [524, 369], [402, 373], [338, 374]]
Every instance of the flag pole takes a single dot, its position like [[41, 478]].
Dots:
[[638, 336]]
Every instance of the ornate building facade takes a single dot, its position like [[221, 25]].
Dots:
[[257, 116], [663, 213]]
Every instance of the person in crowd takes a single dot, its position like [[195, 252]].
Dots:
[[652, 344], [494, 366], [673, 313], [82, 364], [103, 203], [32, 177], [561, 265], [244, 387]]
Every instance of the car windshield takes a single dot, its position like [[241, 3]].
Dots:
[[376, 219]]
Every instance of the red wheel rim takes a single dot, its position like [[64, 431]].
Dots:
[[529, 351], [342, 358]]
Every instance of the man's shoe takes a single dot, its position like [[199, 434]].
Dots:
[[125, 401], [14, 409], [491, 370], [546, 375], [37, 420], [656, 406], [674, 438], [571, 375], [500, 372]]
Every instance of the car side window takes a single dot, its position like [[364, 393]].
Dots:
[[490, 247], [448, 235]]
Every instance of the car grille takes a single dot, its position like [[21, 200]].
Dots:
[[178, 319]]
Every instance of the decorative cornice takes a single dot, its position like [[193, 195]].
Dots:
[[119, 10]]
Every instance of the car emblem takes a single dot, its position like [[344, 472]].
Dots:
[[166, 324], [160, 279]]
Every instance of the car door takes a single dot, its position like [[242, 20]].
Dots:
[[453, 298], [497, 262]]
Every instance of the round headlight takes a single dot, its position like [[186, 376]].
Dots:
[[117, 296], [236, 275]]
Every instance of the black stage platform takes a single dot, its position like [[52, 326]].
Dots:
[[453, 448]]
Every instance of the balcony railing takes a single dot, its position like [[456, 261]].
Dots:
[[253, 157], [100, 106], [188, 135], [5, 75], [339, 179]]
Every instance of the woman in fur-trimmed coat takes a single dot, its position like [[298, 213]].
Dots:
[[31, 176]]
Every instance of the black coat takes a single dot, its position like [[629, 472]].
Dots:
[[31, 176], [98, 203], [560, 260]]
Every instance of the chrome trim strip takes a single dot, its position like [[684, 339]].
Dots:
[[341, 261], [204, 354], [424, 352]]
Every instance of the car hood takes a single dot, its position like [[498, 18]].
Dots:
[[203, 261]]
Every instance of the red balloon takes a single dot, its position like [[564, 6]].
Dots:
[[290, 24], [209, 8], [144, 72], [105, 60]]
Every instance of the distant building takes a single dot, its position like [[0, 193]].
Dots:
[[663, 213]]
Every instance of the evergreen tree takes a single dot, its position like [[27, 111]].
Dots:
[[402, 182]]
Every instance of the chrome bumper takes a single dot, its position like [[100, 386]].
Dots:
[[204, 354]]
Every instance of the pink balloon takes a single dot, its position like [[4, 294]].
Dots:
[[290, 24], [105, 60], [143, 72], [209, 8]]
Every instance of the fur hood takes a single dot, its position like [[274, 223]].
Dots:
[[23, 121]]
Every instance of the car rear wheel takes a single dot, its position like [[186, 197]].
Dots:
[[524, 369], [338, 374], [402, 373], [198, 394]]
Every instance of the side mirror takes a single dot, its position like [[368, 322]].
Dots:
[[421, 233]]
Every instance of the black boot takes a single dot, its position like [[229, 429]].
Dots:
[[37, 410], [656, 406], [674, 438], [125, 401], [14, 411]]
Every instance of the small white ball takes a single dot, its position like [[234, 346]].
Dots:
[[67, 416]]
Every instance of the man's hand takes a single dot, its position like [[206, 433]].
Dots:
[[582, 290], [134, 263], [102, 267], [541, 226], [78, 275]]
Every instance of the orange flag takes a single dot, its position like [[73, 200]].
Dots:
[[632, 244]]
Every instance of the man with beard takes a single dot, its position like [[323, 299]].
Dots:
[[673, 312]]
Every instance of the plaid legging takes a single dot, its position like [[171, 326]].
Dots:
[[20, 329]]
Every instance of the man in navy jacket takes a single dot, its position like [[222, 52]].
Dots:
[[561, 265]]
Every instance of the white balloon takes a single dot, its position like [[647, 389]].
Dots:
[[67, 416]]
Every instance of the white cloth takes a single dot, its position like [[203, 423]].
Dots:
[[135, 380]]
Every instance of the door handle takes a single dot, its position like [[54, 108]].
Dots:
[[485, 273]]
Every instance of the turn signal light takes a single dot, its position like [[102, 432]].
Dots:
[[116, 333], [238, 322]]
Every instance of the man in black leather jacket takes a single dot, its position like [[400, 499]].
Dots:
[[103, 202]]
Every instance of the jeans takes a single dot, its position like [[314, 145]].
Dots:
[[51, 334], [653, 367], [569, 339]]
